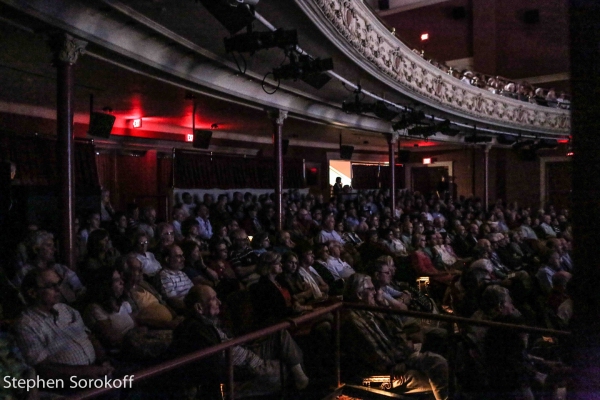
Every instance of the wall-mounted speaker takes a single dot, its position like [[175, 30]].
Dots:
[[201, 139], [459, 13], [403, 156], [346, 152], [101, 124], [531, 16], [285, 143]]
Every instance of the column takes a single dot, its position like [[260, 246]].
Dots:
[[66, 52], [486, 170], [392, 139], [585, 82], [278, 116]]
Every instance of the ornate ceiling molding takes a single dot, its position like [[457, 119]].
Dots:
[[353, 28]]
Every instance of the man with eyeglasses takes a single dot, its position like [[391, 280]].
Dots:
[[150, 265], [242, 258], [371, 346], [174, 283], [52, 335]]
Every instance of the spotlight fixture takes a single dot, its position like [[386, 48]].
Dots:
[[478, 139], [302, 67], [546, 144], [234, 15], [408, 119], [251, 42], [445, 128], [384, 111], [506, 139]]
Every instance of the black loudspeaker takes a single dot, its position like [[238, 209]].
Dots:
[[201, 139], [459, 13], [403, 156], [384, 5], [101, 124], [285, 143], [531, 16], [346, 152]]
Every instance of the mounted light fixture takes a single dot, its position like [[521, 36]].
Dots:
[[303, 67], [234, 15], [136, 123], [251, 42]]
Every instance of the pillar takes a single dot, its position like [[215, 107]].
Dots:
[[66, 52], [278, 116], [585, 84], [392, 139], [486, 171]]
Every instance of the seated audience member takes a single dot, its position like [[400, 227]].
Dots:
[[261, 243], [422, 264], [271, 296], [495, 300], [544, 274], [251, 224], [100, 255], [394, 245], [205, 231], [190, 229], [41, 255], [338, 268], [220, 234], [350, 236], [545, 229], [219, 262], [52, 335], [187, 204], [319, 288], [150, 265], [382, 279], [109, 315], [92, 223], [446, 253], [558, 295], [284, 242], [147, 304], [328, 232], [195, 268], [107, 212], [133, 217], [165, 237], [513, 373], [202, 329], [297, 283], [148, 223], [526, 229], [177, 217], [371, 347], [242, 259], [508, 257], [174, 283], [119, 234]]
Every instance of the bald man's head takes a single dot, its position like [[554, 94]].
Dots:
[[203, 300]]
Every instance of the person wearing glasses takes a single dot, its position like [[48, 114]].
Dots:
[[165, 237], [242, 258], [52, 335], [150, 265], [174, 283], [370, 346]]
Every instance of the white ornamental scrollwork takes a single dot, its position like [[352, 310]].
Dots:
[[358, 30]]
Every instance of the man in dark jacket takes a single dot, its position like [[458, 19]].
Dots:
[[201, 329]]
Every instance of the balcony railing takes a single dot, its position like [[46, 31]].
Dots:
[[335, 308]]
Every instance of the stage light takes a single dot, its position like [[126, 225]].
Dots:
[[409, 119], [506, 139], [385, 111], [232, 14], [424, 37], [478, 139], [302, 67], [427, 161], [253, 41]]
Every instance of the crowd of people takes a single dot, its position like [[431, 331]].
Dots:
[[506, 87], [144, 291]]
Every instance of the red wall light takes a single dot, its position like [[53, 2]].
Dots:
[[137, 123], [424, 37], [427, 161]]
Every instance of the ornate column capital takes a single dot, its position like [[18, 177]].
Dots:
[[66, 48], [277, 116]]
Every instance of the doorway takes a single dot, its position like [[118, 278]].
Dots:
[[427, 180]]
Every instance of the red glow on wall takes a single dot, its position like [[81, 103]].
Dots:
[[563, 140], [313, 170], [137, 123]]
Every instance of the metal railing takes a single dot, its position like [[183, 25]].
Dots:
[[293, 323]]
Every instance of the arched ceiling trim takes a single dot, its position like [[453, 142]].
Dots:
[[357, 32]]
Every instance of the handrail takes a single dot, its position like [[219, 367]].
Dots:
[[294, 322], [450, 318], [195, 356]]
